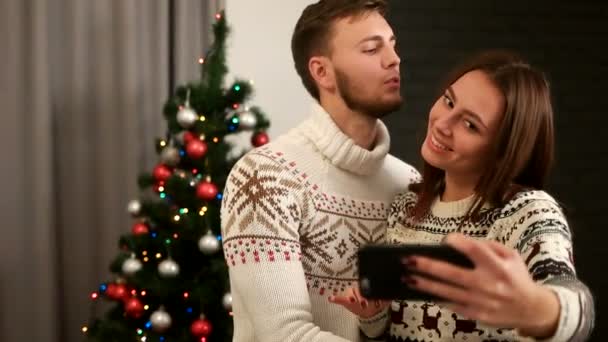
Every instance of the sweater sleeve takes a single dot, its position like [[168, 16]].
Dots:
[[263, 208], [541, 234], [377, 325]]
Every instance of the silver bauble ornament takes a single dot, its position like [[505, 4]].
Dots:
[[160, 320], [186, 117], [227, 301], [179, 137], [168, 268], [169, 156], [134, 207], [247, 120], [208, 244], [131, 266]]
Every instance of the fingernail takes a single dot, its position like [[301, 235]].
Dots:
[[409, 280], [352, 299], [409, 262]]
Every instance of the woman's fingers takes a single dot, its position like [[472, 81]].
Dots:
[[441, 270], [445, 291], [480, 252], [342, 300], [360, 298]]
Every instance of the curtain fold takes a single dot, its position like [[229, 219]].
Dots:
[[82, 86]]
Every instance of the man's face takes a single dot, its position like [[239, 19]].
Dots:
[[366, 65]]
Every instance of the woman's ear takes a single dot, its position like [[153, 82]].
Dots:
[[321, 70]]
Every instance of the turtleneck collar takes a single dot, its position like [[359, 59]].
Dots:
[[340, 149]]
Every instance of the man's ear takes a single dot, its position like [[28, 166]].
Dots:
[[321, 70]]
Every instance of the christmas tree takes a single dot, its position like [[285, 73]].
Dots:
[[171, 279]]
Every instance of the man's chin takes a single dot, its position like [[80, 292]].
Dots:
[[386, 108]]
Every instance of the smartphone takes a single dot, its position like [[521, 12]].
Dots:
[[381, 269]]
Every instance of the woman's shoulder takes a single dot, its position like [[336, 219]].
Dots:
[[531, 196], [526, 202]]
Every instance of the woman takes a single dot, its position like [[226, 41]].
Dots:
[[487, 153]]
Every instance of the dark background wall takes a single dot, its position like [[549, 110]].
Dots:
[[567, 40]]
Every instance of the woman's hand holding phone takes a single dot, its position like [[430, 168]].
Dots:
[[498, 291]]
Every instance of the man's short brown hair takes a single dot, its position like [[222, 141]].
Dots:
[[312, 33]]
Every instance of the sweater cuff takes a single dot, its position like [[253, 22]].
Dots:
[[374, 326], [569, 315]]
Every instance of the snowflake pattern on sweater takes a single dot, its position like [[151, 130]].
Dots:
[[294, 214]]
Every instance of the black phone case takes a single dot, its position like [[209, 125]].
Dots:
[[381, 269]]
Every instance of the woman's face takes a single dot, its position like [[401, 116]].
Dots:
[[462, 126]]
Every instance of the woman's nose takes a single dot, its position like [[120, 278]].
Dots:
[[443, 125]]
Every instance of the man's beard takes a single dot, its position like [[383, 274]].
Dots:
[[370, 107]]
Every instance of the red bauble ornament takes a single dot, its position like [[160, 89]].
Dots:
[[117, 292], [196, 149], [201, 328], [188, 137], [206, 191], [140, 228], [259, 139], [134, 308], [161, 173]]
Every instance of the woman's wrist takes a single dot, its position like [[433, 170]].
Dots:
[[543, 314]]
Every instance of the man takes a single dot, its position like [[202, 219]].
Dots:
[[296, 211]]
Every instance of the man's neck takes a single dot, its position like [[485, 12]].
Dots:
[[357, 126]]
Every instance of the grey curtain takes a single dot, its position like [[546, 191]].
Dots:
[[82, 84]]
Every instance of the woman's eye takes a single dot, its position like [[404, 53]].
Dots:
[[470, 125], [448, 101]]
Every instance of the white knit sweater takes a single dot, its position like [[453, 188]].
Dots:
[[294, 214]]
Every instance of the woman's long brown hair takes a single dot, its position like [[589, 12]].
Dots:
[[522, 155]]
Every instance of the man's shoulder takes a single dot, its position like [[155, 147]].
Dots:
[[399, 168], [287, 148], [284, 157]]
